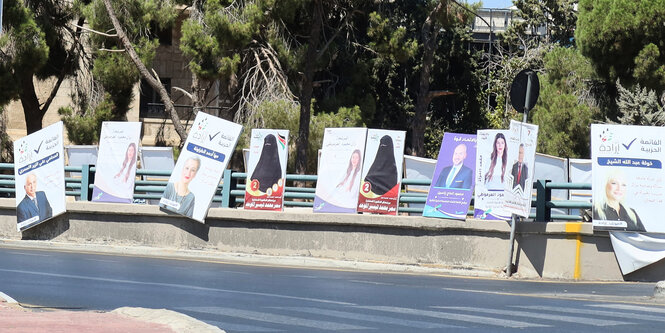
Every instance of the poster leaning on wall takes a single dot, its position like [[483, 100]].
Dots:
[[628, 180], [382, 172], [116, 162], [200, 166], [266, 172], [40, 176], [340, 170], [491, 173], [453, 180]]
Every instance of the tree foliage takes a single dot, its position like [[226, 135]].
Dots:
[[624, 40], [639, 106], [37, 43]]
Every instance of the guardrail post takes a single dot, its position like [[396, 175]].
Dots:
[[226, 188], [86, 178], [543, 195]]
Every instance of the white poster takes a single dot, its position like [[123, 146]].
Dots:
[[382, 172], [521, 145], [340, 170], [116, 162], [200, 166], [39, 172], [492, 171], [628, 181], [266, 172]]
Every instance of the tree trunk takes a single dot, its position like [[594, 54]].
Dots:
[[430, 34], [33, 114], [306, 89], [152, 81]]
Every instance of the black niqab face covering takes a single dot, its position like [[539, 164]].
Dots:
[[382, 175], [268, 170]]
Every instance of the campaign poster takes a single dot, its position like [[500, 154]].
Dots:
[[521, 148], [340, 169], [491, 174], [627, 177], [40, 176], [266, 172], [453, 180], [200, 166], [382, 172], [116, 162]]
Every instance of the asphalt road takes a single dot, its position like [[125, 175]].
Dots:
[[246, 298]]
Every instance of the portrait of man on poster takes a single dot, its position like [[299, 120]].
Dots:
[[520, 170], [34, 203], [456, 175]]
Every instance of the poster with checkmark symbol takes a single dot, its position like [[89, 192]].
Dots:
[[200, 167], [628, 189], [39, 172]]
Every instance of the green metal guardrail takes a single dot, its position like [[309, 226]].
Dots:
[[234, 194]]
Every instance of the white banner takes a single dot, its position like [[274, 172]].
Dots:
[[636, 250], [39, 171], [492, 171], [200, 166], [628, 180], [340, 168], [116, 162], [521, 147]]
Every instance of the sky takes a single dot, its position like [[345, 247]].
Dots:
[[494, 3]]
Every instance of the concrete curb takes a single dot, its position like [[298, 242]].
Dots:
[[245, 259], [178, 322]]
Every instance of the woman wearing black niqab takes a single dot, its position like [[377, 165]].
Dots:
[[382, 175], [268, 170]]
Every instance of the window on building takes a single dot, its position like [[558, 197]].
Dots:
[[150, 105]]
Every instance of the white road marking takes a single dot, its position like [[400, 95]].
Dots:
[[546, 316], [30, 254], [613, 314], [455, 316], [240, 327], [654, 309], [273, 318], [174, 285], [370, 318]]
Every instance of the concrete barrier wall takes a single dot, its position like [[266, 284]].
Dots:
[[554, 250]]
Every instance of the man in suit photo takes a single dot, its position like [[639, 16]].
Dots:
[[520, 171], [34, 203], [457, 175]]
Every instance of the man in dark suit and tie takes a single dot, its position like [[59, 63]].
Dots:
[[520, 171], [35, 202], [457, 175]]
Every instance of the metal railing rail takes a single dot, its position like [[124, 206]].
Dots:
[[234, 194]]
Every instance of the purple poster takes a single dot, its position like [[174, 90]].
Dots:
[[453, 180]]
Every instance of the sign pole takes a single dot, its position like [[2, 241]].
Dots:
[[513, 219], [0, 17]]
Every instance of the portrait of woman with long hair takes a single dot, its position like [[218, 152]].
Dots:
[[352, 172], [495, 176], [128, 163], [609, 203]]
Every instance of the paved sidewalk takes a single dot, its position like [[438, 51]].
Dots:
[[16, 319]]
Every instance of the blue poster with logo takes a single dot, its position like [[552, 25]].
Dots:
[[453, 180]]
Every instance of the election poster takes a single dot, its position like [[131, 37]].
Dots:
[[266, 172], [628, 183], [521, 152], [340, 169], [382, 172], [116, 162], [453, 180], [491, 174], [39, 173], [200, 166]]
